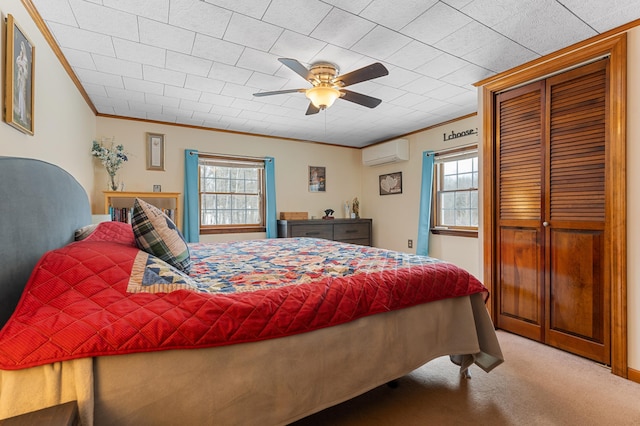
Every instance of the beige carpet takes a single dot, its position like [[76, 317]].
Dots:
[[536, 385]]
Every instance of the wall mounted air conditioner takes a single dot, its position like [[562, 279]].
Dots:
[[386, 153]]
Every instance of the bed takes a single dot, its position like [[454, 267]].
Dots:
[[269, 348]]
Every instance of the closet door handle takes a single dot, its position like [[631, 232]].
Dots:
[[545, 224]]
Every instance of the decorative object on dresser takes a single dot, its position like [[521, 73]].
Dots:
[[19, 78], [355, 231], [112, 158], [155, 152], [120, 204], [294, 215], [328, 214]]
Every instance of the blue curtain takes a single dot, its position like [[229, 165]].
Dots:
[[425, 203], [270, 183], [191, 222]]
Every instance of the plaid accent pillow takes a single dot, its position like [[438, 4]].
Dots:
[[157, 235], [151, 275]]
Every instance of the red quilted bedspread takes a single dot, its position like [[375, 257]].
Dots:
[[76, 305]]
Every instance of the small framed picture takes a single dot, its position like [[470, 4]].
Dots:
[[157, 188], [19, 78], [317, 179], [155, 151], [391, 183]]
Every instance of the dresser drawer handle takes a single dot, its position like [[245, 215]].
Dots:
[[351, 231], [312, 233]]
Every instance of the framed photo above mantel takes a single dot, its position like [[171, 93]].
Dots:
[[390, 183], [19, 74], [155, 151]]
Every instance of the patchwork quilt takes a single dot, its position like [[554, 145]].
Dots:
[[106, 297]]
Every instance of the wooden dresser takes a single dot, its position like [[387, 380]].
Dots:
[[354, 231]]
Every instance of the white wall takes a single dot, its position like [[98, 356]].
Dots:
[[292, 161], [64, 125], [395, 217]]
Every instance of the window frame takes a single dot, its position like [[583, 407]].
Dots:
[[453, 154], [232, 228]]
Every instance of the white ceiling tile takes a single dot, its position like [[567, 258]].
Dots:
[[97, 77], [296, 16], [457, 4], [57, 11], [162, 117], [106, 109], [469, 38], [246, 105], [161, 100], [105, 20], [109, 102], [298, 46], [537, 36], [88, 41], [226, 110], [398, 77], [161, 75], [165, 36], [253, 8], [190, 122], [157, 10], [96, 89], [342, 28], [182, 93], [436, 23], [229, 73], [413, 55], [468, 98], [215, 99], [503, 55], [127, 112], [203, 84], [143, 86], [253, 115], [353, 6], [492, 12], [188, 64], [604, 15], [198, 16], [259, 61], [137, 52], [441, 66], [252, 32], [422, 85], [263, 81], [408, 100], [381, 43], [195, 106], [216, 50], [467, 75], [78, 58], [447, 91], [179, 113], [129, 95], [238, 91], [117, 66], [395, 15]]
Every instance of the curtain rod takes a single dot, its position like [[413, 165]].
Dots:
[[248, 157], [455, 148]]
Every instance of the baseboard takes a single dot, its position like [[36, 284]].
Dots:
[[633, 375]]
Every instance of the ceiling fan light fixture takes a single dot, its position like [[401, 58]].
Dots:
[[322, 96]]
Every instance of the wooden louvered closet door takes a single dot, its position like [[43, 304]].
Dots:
[[550, 188]]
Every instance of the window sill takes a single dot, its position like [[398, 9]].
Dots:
[[232, 230], [455, 232]]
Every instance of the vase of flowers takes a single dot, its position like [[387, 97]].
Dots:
[[112, 159]]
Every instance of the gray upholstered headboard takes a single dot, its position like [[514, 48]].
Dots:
[[41, 206]]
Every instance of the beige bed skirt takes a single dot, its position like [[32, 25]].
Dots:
[[271, 382]]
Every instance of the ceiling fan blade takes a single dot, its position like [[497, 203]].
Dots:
[[369, 72], [278, 92], [297, 67], [360, 99], [312, 109]]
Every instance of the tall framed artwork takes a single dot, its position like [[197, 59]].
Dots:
[[19, 73], [155, 151], [317, 179]]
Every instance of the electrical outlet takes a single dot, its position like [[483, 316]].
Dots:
[[410, 243]]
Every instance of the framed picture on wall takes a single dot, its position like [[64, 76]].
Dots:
[[155, 151], [390, 183], [19, 75], [317, 179]]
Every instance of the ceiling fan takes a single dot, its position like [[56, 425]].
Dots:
[[329, 86]]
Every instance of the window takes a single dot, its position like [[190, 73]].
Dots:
[[231, 195], [456, 192]]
